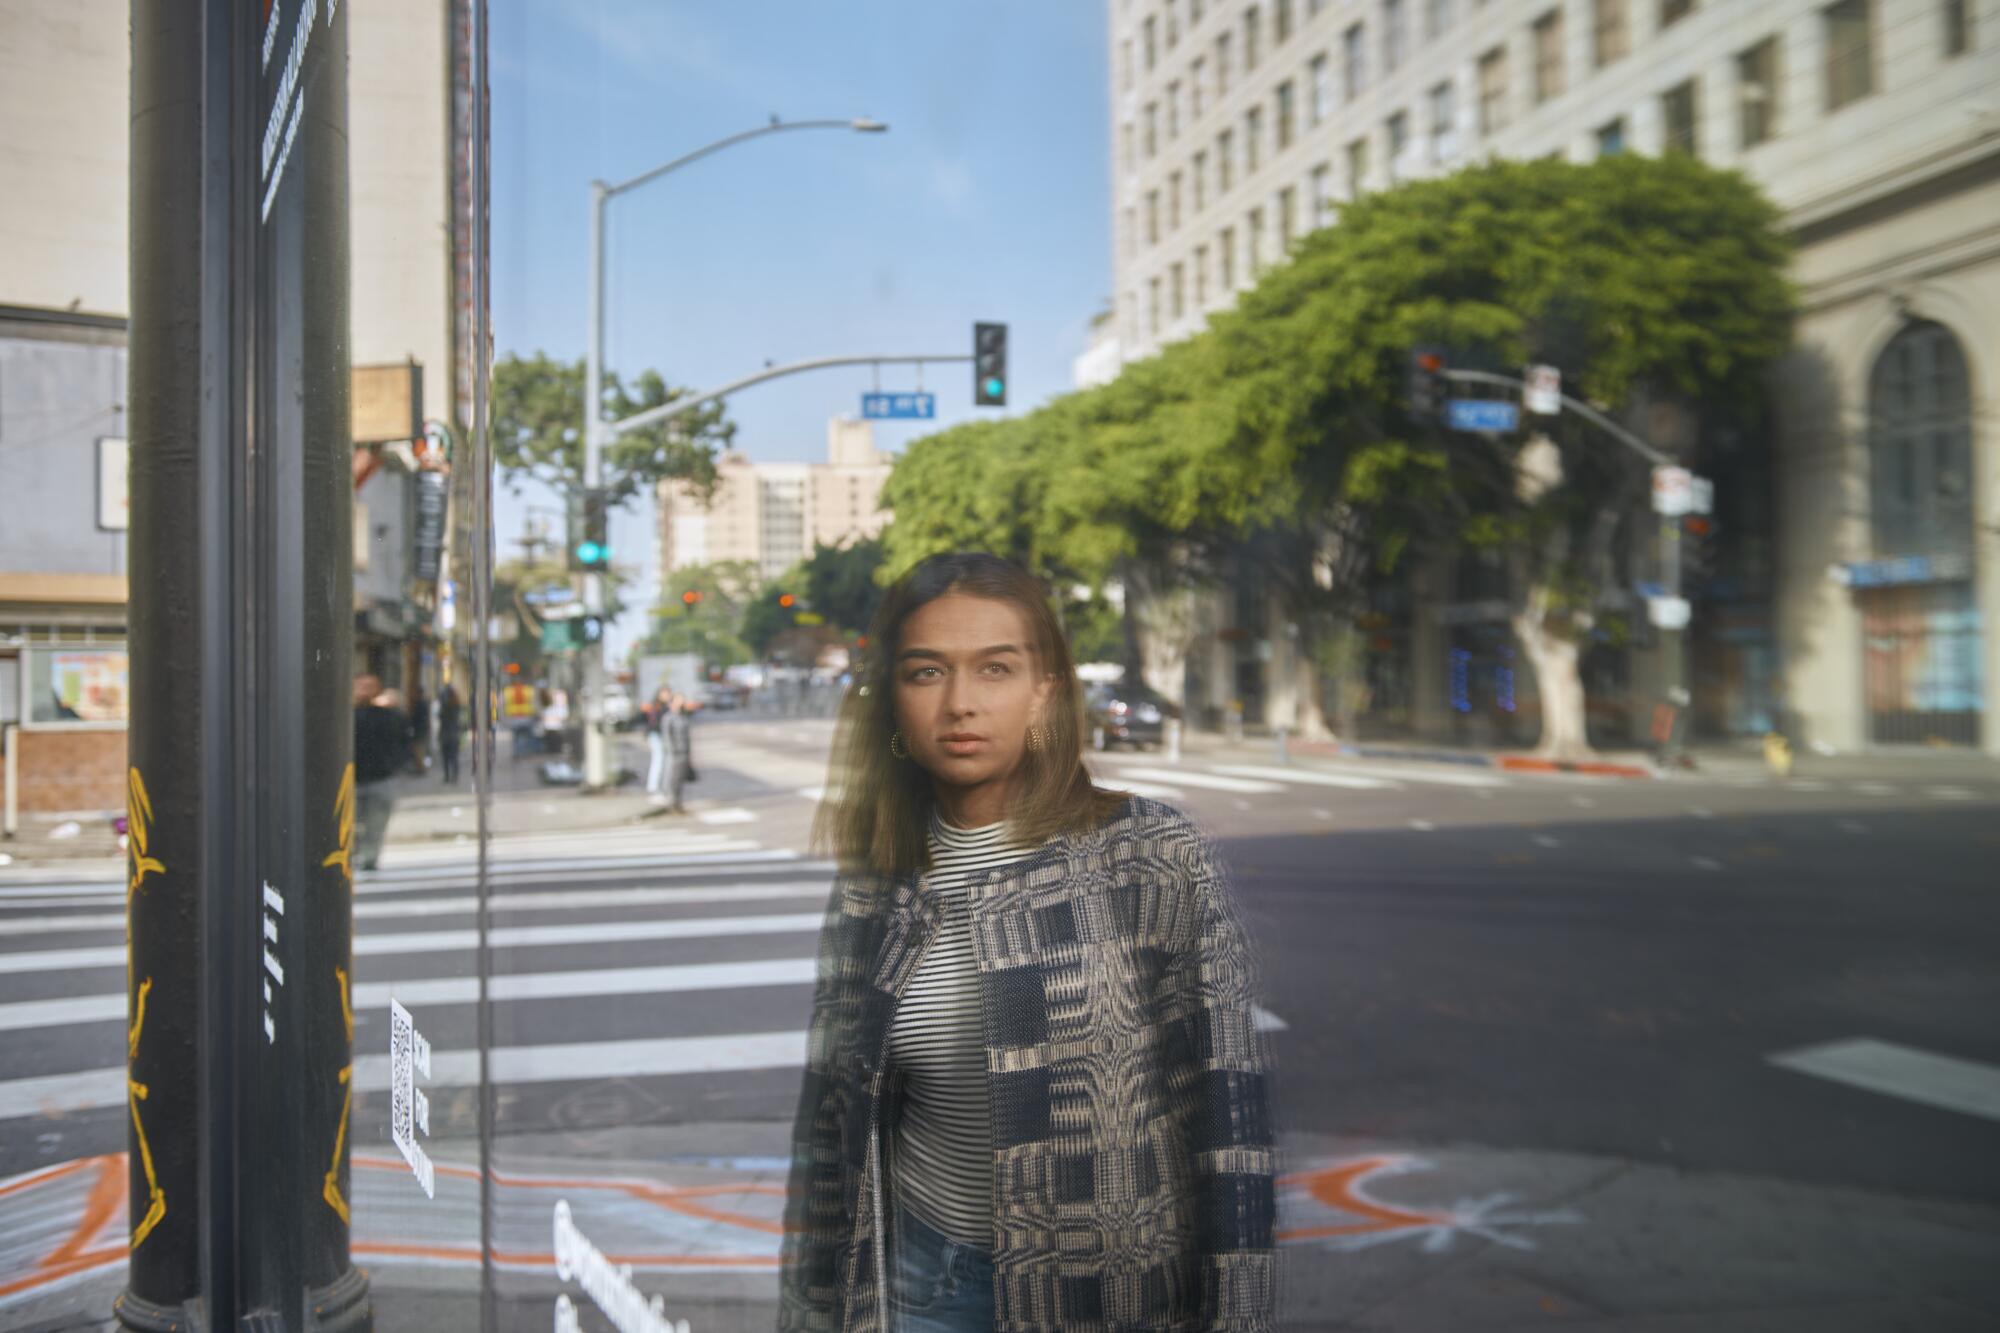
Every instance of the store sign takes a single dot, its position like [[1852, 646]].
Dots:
[[78, 685], [1898, 570], [114, 487], [1542, 393], [431, 497]]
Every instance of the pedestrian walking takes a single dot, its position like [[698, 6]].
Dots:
[[420, 730], [1034, 1095], [677, 735], [380, 748], [657, 709], [451, 721]]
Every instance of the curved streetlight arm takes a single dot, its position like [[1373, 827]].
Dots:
[[1584, 410], [859, 125], [666, 411]]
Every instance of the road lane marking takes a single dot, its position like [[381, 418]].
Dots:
[[1544, 840], [1700, 812], [1852, 826], [734, 814], [502, 937], [1583, 802], [1875, 788], [1188, 777], [1311, 777], [1155, 790], [1705, 863], [1265, 1021], [1942, 1081], [1422, 825], [1952, 793]]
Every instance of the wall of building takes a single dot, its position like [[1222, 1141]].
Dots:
[[62, 389]]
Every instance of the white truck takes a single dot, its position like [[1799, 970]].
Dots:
[[683, 673]]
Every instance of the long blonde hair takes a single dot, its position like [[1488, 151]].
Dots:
[[877, 810]]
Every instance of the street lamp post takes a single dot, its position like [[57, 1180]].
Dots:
[[595, 773]]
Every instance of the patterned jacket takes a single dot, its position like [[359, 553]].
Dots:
[[1132, 1145]]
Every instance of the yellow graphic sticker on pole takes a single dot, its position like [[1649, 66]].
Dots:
[[138, 837], [343, 813], [330, 1191]]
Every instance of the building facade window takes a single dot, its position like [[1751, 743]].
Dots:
[[1397, 128], [1225, 161], [1395, 34], [1201, 277], [1174, 202], [1679, 119], [1173, 23], [1153, 306], [1173, 111], [1125, 64], [1152, 217], [1225, 251], [1200, 174], [1321, 70], [1197, 89], [1254, 225], [1288, 218], [1757, 93], [1284, 111], [1322, 196], [1610, 30], [1253, 133], [1850, 53], [1194, 13], [1437, 17], [1919, 446], [1548, 56], [1611, 138], [1131, 231], [1357, 167], [1281, 19], [1152, 116], [1353, 62], [1957, 27], [1148, 38], [1493, 91], [1444, 123], [1221, 66], [1125, 138], [1176, 293], [1252, 22], [1673, 11]]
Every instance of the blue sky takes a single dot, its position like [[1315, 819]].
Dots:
[[989, 197]]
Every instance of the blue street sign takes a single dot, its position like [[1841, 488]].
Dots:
[[1481, 414], [899, 406]]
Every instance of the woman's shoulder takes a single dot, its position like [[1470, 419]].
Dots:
[[1147, 823]]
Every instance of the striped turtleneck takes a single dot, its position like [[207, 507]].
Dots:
[[943, 1161]]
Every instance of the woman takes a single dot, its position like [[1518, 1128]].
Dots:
[[451, 723], [1034, 1097], [656, 745]]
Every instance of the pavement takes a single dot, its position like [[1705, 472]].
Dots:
[[1708, 1051]]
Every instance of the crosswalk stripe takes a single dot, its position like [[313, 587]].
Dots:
[[601, 867], [1158, 791], [1189, 777], [564, 900], [90, 1089], [29, 1015], [1942, 1081], [445, 941], [1312, 777]]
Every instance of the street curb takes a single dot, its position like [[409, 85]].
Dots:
[[1509, 763], [1524, 763]]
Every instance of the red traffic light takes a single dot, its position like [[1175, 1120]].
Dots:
[[1431, 361], [690, 597], [786, 599]]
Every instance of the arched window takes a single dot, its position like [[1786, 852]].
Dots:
[[1920, 446]]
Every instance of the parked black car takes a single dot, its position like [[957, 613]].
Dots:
[[1125, 714]]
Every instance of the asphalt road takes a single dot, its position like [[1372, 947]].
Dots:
[[1457, 957]]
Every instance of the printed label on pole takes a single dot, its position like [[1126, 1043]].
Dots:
[[609, 1285], [1543, 392], [1701, 496], [1668, 612], [1673, 491], [409, 1109]]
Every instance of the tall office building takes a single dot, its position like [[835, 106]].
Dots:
[[1873, 124]]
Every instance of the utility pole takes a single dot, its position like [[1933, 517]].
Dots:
[[239, 1073]]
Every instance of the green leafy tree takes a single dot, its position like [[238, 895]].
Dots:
[[538, 429], [701, 611]]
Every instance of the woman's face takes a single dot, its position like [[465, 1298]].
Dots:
[[968, 683]]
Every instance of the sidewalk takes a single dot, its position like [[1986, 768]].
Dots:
[[1372, 1235]]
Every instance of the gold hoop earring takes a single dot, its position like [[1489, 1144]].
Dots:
[[896, 746]]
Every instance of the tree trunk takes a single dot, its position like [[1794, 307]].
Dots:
[[1159, 628], [1558, 681]]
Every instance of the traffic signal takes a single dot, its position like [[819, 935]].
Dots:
[[785, 599], [989, 365], [590, 537], [1427, 387], [585, 629], [1698, 552], [690, 597]]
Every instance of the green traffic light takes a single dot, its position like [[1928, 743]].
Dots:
[[590, 553], [995, 387]]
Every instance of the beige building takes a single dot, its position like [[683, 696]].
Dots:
[[1874, 125], [773, 514], [65, 125]]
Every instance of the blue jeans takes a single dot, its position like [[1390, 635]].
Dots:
[[938, 1284]]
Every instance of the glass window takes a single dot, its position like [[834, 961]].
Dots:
[[1252, 21], [1253, 132], [1850, 56], [1322, 195], [1548, 56], [1285, 110], [1757, 92], [1152, 217], [1919, 441], [1126, 136], [1395, 34], [1610, 36], [1173, 24], [1357, 167], [1197, 90], [1147, 39], [1174, 202], [1493, 91], [1673, 11], [1152, 129], [1437, 17], [1153, 306], [1322, 87], [1125, 63], [1176, 296], [1131, 231], [1678, 117], [1398, 130], [1222, 64], [1226, 251], [1194, 12], [1225, 161], [1353, 61], [1200, 173], [1281, 17], [1255, 226], [77, 684], [1173, 111], [1288, 218], [1611, 137], [1957, 27], [1201, 277], [1444, 122]]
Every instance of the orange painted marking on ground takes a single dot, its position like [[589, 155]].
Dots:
[[107, 1194], [1340, 1187], [679, 1199], [470, 1254], [45, 1175]]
